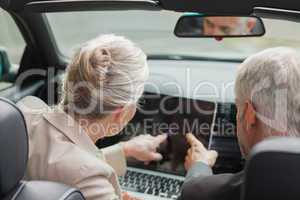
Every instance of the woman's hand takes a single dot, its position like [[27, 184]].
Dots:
[[144, 147], [197, 152]]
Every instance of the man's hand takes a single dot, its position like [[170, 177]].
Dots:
[[197, 152], [143, 147], [126, 196]]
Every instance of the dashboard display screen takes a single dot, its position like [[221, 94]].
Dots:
[[175, 117]]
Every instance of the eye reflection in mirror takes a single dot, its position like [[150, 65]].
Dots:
[[219, 26]]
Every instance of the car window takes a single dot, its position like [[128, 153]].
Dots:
[[11, 49]]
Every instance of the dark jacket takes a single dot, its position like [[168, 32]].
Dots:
[[201, 184]]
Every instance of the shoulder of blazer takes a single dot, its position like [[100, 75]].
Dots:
[[32, 109], [34, 105]]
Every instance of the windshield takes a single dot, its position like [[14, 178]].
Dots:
[[153, 32]]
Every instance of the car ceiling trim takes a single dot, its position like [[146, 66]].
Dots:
[[227, 7], [90, 5], [274, 13]]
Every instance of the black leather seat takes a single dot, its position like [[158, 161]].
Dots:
[[13, 161], [273, 171]]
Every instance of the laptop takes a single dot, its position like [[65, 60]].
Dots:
[[163, 180]]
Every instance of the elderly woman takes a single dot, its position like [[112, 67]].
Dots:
[[100, 92]]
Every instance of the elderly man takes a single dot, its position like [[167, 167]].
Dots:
[[223, 26], [268, 100]]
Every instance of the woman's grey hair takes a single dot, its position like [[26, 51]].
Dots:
[[106, 73], [271, 81]]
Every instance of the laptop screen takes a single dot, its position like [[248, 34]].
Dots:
[[174, 116]]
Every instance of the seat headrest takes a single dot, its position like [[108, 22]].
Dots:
[[273, 170], [13, 146]]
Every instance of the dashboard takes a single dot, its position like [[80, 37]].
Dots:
[[203, 80]]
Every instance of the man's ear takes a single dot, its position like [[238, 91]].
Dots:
[[250, 114], [251, 24]]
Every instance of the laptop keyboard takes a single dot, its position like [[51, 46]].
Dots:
[[156, 185]]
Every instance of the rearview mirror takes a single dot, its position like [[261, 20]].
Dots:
[[197, 25]]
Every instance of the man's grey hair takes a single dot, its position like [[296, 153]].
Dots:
[[270, 80]]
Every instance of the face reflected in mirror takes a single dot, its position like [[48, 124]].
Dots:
[[219, 26], [228, 25]]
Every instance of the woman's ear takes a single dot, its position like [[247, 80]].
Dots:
[[118, 114], [250, 115]]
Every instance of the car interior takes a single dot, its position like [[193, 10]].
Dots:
[[35, 50]]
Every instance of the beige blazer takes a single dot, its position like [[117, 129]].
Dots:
[[60, 151]]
